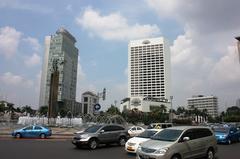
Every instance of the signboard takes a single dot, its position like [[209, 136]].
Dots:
[[97, 106]]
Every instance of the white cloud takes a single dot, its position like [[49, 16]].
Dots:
[[33, 42], [9, 41], [163, 7], [226, 71], [80, 75], [114, 26], [10, 79], [202, 61], [32, 60]]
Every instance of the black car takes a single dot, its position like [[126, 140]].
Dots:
[[101, 134]]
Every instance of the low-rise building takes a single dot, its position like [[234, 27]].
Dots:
[[89, 100], [144, 104], [201, 102]]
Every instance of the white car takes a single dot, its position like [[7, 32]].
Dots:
[[135, 130], [132, 144]]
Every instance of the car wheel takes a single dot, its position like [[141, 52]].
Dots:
[[122, 141], [239, 139], [210, 154], [42, 136], [18, 135], [176, 157], [93, 144], [78, 146]]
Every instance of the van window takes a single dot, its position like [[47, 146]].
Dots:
[[167, 135], [191, 133], [164, 126], [169, 125], [204, 133]]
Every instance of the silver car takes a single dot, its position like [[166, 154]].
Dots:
[[101, 134], [179, 143]]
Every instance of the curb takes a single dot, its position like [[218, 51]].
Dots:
[[51, 137]]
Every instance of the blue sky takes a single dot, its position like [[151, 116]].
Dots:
[[201, 34]]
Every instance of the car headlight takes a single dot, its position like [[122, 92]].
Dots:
[[139, 148], [84, 136], [223, 136], [162, 151]]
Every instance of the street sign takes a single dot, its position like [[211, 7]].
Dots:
[[97, 106]]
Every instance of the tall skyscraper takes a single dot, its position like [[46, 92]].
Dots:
[[60, 54], [148, 72]]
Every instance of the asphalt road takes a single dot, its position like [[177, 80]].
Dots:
[[63, 149]]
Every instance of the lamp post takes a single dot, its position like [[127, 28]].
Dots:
[[171, 117]]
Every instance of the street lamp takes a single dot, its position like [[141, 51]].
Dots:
[[171, 117]]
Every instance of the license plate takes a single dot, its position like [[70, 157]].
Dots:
[[144, 157]]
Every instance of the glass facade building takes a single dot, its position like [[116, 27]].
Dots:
[[60, 48]]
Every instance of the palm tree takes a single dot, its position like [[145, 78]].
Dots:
[[163, 108], [180, 110], [205, 114]]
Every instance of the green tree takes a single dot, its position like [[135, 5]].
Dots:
[[113, 110], [28, 109], [2, 107], [43, 110], [181, 110]]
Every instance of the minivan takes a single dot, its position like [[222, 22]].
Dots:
[[179, 142]]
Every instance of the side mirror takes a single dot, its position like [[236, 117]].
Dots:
[[186, 139], [102, 131]]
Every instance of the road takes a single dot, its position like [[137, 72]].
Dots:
[[63, 149]]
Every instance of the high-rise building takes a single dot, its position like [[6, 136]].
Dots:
[[210, 103], [61, 54], [238, 102], [148, 73]]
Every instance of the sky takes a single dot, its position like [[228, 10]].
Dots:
[[204, 57]]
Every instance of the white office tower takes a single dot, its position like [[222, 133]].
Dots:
[[60, 49], [148, 74]]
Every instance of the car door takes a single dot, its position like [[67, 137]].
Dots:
[[233, 133], [193, 147], [37, 130], [106, 136], [27, 132], [133, 131]]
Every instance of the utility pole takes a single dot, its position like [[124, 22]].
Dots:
[[53, 92], [171, 115]]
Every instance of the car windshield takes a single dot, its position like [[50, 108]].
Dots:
[[147, 134], [221, 130], [167, 135], [93, 129]]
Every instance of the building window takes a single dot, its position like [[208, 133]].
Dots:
[[85, 111], [85, 99]]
